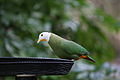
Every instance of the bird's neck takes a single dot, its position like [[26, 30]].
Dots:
[[55, 40]]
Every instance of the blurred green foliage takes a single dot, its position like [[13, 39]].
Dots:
[[21, 21], [109, 21]]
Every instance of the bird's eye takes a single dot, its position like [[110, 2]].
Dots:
[[41, 34]]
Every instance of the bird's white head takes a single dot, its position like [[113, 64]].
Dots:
[[44, 36]]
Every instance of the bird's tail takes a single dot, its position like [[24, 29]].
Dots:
[[87, 58]]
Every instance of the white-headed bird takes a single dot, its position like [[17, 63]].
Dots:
[[64, 48]]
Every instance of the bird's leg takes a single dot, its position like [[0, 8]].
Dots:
[[86, 57], [80, 57], [77, 58]]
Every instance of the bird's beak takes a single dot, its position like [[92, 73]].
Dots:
[[39, 40]]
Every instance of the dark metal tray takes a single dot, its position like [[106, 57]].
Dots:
[[10, 66]]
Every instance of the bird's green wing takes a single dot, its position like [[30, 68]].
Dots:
[[74, 48]]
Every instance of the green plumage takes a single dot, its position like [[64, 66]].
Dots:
[[66, 49]]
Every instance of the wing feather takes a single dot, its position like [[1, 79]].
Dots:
[[74, 48]]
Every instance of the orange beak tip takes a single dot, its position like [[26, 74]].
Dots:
[[41, 40]]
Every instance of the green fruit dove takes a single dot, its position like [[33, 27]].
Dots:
[[63, 48]]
